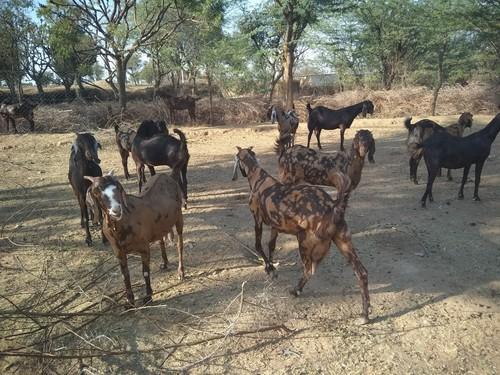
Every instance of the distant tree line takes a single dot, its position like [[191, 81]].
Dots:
[[244, 48]]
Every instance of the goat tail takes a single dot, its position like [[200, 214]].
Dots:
[[181, 135], [418, 153], [408, 124], [309, 108], [343, 184]]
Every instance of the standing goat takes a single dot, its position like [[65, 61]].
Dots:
[[153, 149], [305, 211], [422, 130], [125, 137], [301, 164], [288, 123], [131, 223], [83, 161], [448, 151], [179, 103], [325, 118], [11, 112]]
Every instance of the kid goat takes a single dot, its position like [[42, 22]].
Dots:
[[131, 223], [301, 164], [305, 211]]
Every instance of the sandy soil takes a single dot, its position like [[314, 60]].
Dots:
[[433, 273]]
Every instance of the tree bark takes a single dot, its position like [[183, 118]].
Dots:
[[121, 77], [440, 79], [274, 81], [210, 98], [288, 60]]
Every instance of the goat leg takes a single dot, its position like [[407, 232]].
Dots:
[[464, 180], [85, 220], [163, 255], [258, 246], [180, 248], [124, 155], [477, 180], [272, 246], [318, 134], [309, 138], [343, 241], [145, 256], [449, 176], [307, 264], [431, 176], [126, 279], [342, 131]]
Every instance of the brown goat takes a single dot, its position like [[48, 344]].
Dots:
[[131, 223], [305, 211], [11, 112], [423, 130], [301, 164]]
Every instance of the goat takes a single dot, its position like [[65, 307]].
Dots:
[[448, 151], [125, 137], [288, 123], [131, 223], [301, 164], [179, 103], [422, 130], [160, 149], [11, 112], [305, 211], [94, 211], [325, 118], [84, 161]]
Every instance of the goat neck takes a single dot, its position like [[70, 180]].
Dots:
[[493, 128], [355, 166]]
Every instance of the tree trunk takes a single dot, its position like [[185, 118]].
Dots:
[[210, 98], [20, 93], [272, 86], [288, 60], [121, 77], [67, 89], [12, 89], [39, 89], [440, 79], [80, 90]]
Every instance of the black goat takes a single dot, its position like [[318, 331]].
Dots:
[[325, 118], [125, 137], [447, 151], [153, 149], [84, 161]]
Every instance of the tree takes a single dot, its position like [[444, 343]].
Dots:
[[12, 27], [134, 68], [36, 54], [388, 33], [121, 28]]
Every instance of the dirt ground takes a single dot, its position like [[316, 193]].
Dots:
[[433, 273]]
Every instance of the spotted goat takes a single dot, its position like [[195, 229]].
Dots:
[[131, 222], [305, 211], [301, 164], [423, 130]]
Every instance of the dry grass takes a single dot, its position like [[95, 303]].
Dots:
[[476, 98]]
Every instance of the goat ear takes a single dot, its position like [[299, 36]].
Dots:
[[238, 148], [124, 197], [90, 178], [99, 146], [250, 148]]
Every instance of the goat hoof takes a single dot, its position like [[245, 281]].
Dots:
[[163, 267], [423, 205], [460, 197], [476, 198], [147, 300], [362, 321], [88, 241], [295, 292], [181, 275]]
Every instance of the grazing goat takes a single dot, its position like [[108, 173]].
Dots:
[[301, 164], [11, 112], [179, 103], [325, 118], [131, 223], [153, 149], [288, 123], [422, 130], [448, 151], [125, 137], [84, 161], [305, 211]]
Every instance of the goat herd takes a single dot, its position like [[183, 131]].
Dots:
[[292, 204]]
